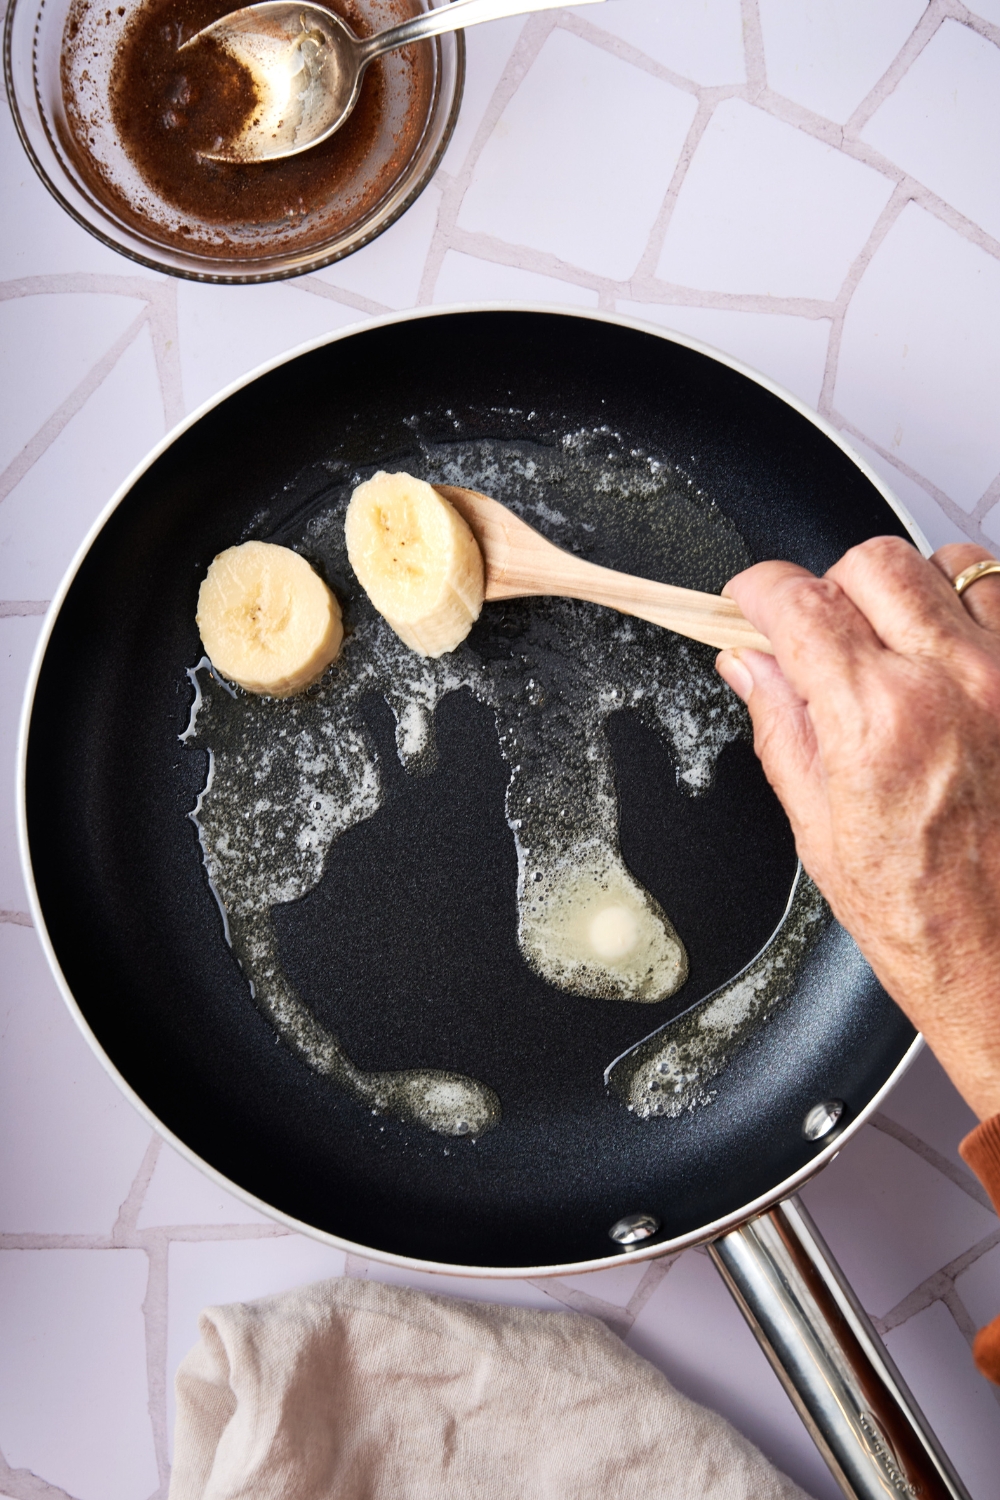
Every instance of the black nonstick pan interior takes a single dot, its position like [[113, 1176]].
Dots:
[[406, 948]]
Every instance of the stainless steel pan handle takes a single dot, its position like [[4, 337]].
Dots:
[[831, 1361]]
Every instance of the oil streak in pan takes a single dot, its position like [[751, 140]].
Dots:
[[669, 1071], [287, 777]]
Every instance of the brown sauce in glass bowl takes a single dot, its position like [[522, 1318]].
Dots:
[[167, 106]]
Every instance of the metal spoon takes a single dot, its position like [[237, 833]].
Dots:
[[308, 65]]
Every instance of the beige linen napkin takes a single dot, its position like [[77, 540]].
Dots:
[[352, 1390]]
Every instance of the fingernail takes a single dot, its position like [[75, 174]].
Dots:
[[734, 673]]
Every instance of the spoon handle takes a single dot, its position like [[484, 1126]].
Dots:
[[709, 618], [520, 562], [453, 17]]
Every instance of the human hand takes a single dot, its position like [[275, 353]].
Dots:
[[877, 722]]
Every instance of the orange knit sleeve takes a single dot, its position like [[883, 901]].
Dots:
[[981, 1150]]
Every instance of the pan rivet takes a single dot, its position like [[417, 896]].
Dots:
[[633, 1229], [822, 1118]]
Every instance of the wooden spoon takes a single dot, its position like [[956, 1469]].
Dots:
[[520, 562]]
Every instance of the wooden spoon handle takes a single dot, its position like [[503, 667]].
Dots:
[[701, 617], [521, 562]]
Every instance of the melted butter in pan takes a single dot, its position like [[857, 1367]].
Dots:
[[288, 777], [589, 927]]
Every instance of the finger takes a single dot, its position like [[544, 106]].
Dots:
[[820, 639], [784, 739], [735, 673], [982, 598], [907, 601]]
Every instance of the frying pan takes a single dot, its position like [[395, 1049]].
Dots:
[[406, 948]]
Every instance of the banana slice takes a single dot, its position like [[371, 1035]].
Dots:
[[267, 621], [417, 561]]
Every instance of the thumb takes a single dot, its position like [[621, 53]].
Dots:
[[784, 738]]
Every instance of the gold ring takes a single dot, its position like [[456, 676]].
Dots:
[[969, 576]]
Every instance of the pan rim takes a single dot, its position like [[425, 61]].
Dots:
[[705, 1233]]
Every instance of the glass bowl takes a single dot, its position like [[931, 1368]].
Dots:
[[103, 191]]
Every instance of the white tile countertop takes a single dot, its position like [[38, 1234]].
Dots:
[[810, 185]]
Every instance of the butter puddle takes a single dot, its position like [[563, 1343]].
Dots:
[[588, 926]]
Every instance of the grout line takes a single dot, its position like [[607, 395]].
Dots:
[[165, 336], [987, 500], [925, 198], [753, 49], [961, 1314], [27, 1241], [317, 288], [618, 1318], [608, 41], [898, 200], [649, 259], [142, 1239], [655, 1272], [64, 414], [935, 1287], [192, 1234], [967, 1327], [16, 609], [16, 918], [954, 512], [142, 288], [614, 1316], [534, 34], [125, 1225], [24, 1484], [976, 23], [801, 117], [154, 1313], [926, 27], [488, 247], [673, 294], [960, 1176], [442, 237], [655, 293], [831, 134]]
